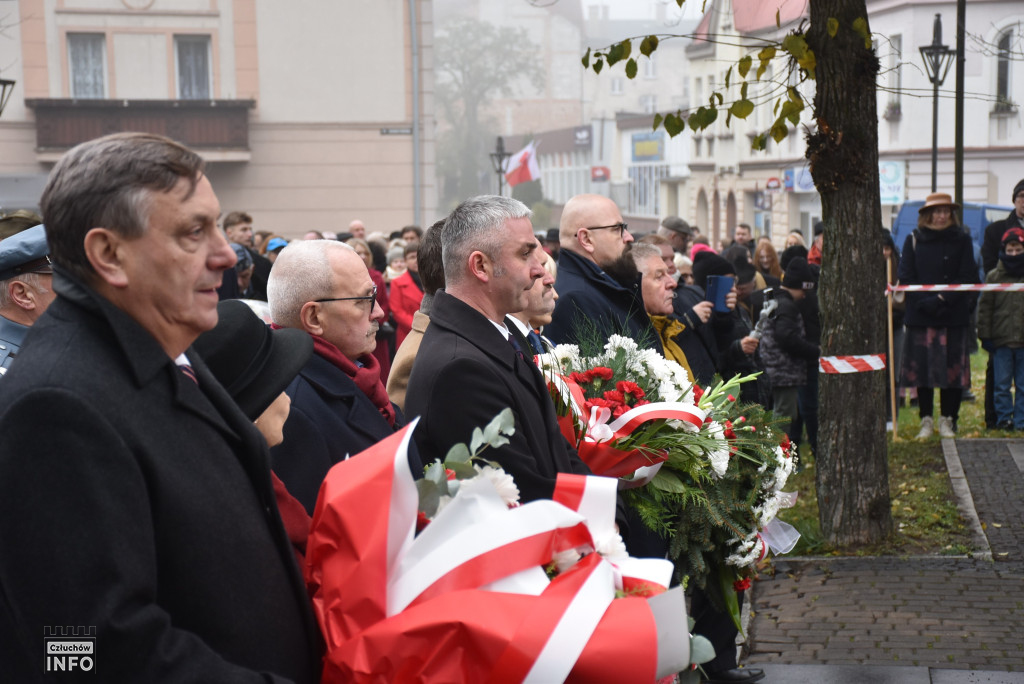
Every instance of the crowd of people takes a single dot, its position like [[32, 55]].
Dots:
[[162, 448]]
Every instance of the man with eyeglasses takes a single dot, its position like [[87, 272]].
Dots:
[[598, 284], [339, 404], [26, 288]]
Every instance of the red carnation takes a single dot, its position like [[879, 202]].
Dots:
[[630, 387], [421, 521], [741, 585], [579, 378], [449, 473], [697, 392], [729, 434], [615, 396], [785, 444], [731, 398], [601, 372]]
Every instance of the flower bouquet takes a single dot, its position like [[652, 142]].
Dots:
[[708, 472], [468, 598]]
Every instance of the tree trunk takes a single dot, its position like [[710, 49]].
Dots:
[[851, 466]]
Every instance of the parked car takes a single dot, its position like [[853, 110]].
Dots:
[[976, 216]]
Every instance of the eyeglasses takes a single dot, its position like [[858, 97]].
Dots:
[[622, 228], [368, 298]]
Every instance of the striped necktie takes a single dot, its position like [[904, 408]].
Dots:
[[189, 372]]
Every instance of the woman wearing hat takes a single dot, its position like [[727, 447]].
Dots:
[[936, 346]]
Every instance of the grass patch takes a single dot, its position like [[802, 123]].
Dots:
[[925, 516]]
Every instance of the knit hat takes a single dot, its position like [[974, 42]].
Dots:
[[1013, 235], [709, 263], [798, 275], [698, 248], [791, 253], [1017, 189]]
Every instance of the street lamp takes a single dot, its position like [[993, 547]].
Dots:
[[6, 88], [498, 158], [937, 60]]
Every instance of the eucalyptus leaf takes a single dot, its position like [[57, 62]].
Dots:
[[435, 472], [701, 650], [477, 440], [429, 495], [458, 452], [462, 470]]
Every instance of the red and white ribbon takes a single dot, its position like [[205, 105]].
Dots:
[[444, 600], [959, 287], [859, 363]]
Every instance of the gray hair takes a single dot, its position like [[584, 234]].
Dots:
[[110, 182], [33, 279], [302, 273], [476, 225], [641, 252]]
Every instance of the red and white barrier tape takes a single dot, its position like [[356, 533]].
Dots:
[[851, 364], [982, 287]]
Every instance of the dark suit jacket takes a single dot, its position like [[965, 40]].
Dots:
[[137, 502], [465, 374], [330, 420]]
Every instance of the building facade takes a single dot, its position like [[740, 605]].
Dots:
[[301, 128]]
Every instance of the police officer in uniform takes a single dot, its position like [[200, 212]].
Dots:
[[26, 288]]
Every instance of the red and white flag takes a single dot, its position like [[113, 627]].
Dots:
[[523, 166]]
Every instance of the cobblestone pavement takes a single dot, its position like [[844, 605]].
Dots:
[[936, 613]]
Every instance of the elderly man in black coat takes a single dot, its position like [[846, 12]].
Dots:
[[468, 368], [339, 404], [136, 507]]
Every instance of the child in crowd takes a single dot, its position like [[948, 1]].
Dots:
[[1001, 330], [784, 349]]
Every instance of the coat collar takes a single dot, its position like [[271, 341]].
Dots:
[[330, 382], [588, 270], [460, 318]]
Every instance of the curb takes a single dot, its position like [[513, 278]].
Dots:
[[964, 500]]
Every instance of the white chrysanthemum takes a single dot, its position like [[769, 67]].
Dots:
[[611, 547], [719, 456], [502, 482], [564, 560], [616, 342], [748, 551]]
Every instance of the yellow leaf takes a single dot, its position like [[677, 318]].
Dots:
[[833, 27]]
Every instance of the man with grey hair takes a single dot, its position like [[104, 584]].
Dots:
[[135, 496], [470, 367], [339, 404], [26, 288], [678, 233]]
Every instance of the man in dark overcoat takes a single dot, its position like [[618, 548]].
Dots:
[[136, 507], [467, 369]]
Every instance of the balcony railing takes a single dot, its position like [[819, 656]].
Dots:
[[217, 129]]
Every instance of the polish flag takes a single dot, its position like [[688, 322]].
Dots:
[[522, 166]]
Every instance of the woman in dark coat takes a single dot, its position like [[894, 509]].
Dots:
[[936, 347]]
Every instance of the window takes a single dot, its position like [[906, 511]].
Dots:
[[698, 91], [87, 65], [650, 69], [649, 103], [616, 85], [193, 64], [1003, 99], [895, 70]]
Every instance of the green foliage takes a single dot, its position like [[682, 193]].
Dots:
[[793, 47]]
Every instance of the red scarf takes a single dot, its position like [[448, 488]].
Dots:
[[367, 377]]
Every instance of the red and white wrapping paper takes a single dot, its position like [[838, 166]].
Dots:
[[467, 600]]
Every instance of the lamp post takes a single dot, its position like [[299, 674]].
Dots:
[[937, 60], [6, 88], [498, 158]]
